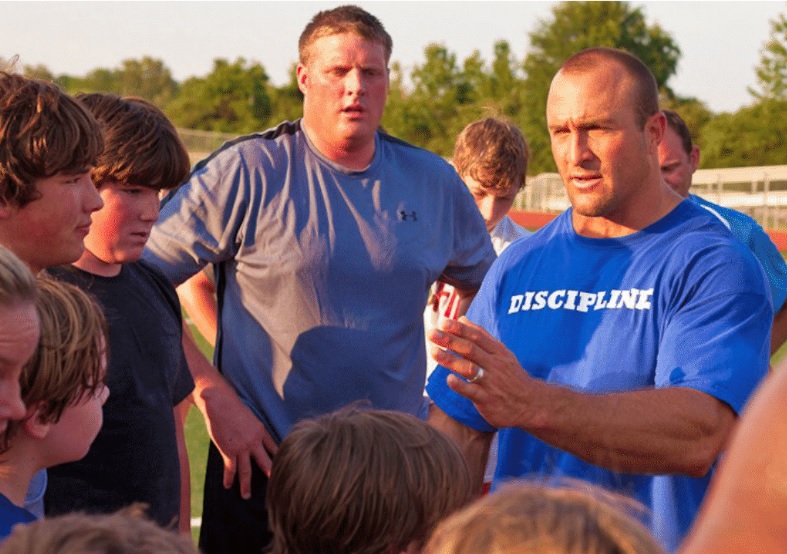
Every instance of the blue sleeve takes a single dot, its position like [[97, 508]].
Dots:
[[773, 264], [473, 253], [717, 340], [201, 223]]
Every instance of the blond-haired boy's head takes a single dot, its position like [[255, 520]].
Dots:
[[363, 481], [124, 532], [70, 360], [494, 152], [530, 518], [491, 157]]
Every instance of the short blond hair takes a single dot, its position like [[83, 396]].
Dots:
[[494, 152], [124, 532], [571, 517], [71, 355]]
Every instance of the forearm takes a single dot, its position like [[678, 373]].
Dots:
[[181, 411], [473, 444], [672, 430], [465, 299], [197, 297], [779, 329]]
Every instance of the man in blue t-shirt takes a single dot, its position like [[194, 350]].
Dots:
[[618, 343], [325, 235], [679, 159]]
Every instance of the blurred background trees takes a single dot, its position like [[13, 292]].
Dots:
[[429, 104]]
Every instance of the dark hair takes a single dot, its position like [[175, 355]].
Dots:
[[363, 481], [677, 124], [493, 152], [344, 19], [141, 146], [43, 132], [647, 89]]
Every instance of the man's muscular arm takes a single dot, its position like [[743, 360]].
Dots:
[[672, 430], [234, 429]]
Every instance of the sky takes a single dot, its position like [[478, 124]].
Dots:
[[720, 41]]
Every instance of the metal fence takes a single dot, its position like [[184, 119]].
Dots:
[[760, 192]]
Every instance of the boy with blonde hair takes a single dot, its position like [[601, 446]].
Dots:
[[140, 454], [363, 481], [568, 517], [63, 387]]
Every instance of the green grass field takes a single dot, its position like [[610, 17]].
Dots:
[[197, 445]]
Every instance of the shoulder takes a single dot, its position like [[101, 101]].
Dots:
[[254, 143], [409, 156]]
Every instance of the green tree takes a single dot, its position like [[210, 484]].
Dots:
[[286, 101], [148, 78], [755, 135], [772, 69], [575, 26], [232, 98], [694, 112]]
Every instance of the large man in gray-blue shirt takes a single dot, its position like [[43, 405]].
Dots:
[[326, 235]]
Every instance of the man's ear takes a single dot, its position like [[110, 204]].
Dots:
[[655, 127], [34, 424], [302, 75], [694, 157]]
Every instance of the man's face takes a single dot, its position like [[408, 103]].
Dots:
[[121, 228], [602, 153], [50, 230], [677, 165], [19, 332], [492, 203], [345, 86]]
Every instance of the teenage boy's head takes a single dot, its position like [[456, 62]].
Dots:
[[531, 518], [63, 383], [491, 156], [48, 143], [363, 481], [19, 332], [142, 156], [124, 532]]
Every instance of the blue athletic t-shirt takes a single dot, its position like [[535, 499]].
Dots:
[[680, 303], [749, 232]]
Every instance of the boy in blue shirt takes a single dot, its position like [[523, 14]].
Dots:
[[63, 387]]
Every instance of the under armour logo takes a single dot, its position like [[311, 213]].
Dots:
[[404, 215]]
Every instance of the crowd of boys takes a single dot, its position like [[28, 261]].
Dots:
[[616, 346]]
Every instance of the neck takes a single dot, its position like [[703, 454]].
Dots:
[[16, 470], [90, 263], [352, 154], [648, 210]]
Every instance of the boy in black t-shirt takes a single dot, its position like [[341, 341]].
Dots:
[[139, 455]]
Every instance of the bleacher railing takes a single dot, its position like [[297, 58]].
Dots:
[[760, 192]]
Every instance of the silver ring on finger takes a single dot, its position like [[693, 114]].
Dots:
[[478, 375]]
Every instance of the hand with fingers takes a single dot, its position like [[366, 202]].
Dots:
[[486, 372], [239, 435]]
